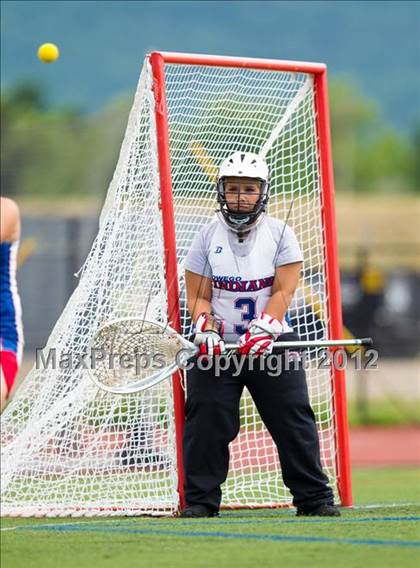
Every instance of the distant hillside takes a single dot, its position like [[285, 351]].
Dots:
[[103, 43]]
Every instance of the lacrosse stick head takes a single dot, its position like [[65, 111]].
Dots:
[[130, 355]]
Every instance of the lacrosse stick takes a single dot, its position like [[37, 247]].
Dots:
[[132, 354]]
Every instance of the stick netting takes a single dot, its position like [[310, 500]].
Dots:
[[70, 449], [134, 354]]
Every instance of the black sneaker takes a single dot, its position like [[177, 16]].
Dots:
[[324, 510], [197, 512]]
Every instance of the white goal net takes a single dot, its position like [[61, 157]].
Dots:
[[70, 449]]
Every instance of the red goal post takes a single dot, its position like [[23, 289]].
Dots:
[[158, 62]]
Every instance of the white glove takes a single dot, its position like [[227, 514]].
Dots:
[[209, 341], [260, 336]]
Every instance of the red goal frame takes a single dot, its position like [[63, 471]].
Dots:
[[158, 60]]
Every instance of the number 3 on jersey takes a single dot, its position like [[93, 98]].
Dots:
[[247, 306]]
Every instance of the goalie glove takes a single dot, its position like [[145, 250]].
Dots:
[[210, 341], [260, 336]]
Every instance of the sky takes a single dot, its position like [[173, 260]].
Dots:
[[103, 43]]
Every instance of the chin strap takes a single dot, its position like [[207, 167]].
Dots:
[[238, 230]]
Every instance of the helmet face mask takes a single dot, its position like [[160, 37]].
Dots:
[[238, 166]]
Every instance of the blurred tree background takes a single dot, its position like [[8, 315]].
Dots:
[[369, 155], [62, 152], [58, 152]]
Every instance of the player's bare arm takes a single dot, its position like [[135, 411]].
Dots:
[[209, 329], [10, 220], [286, 280], [199, 290]]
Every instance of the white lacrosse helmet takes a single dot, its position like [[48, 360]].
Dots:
[[246, 165]]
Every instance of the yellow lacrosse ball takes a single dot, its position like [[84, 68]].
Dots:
[[48, 52]]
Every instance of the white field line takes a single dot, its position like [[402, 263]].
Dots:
[[8, 529], [115, 521], [385, 505], [65, 522]]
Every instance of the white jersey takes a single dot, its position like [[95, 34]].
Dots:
[[242, 274]]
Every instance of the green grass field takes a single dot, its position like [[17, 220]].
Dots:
[[381, 530]]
